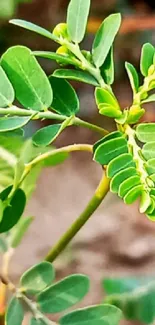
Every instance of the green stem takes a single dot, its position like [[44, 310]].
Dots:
[[93, 204], [67, 149], [15, 111]]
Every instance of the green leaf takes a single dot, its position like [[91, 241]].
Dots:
[[37, 278], [46, 135], [7, 94], [13, 211], [118, 179], [133, 194], [134, 114], [103, 96], [7, 8], [77, 75], [77, 16], [145, 202], [94, 315], [32, 90], [110, 150], [105, 38], [15, 312], [19, 231], [1, 209], [34, 28], [13, 123], [63, 294], [37, 321], [110, 111], [107, 69], [121, 162], [128, 184], [133, 76], [148, 150], [146, 61], [54, 56], [145, 132], [135, 296], [65, 100], [150, 99], [110, 136]]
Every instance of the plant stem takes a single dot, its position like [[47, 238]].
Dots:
[[93, 204], [34, 310], [16, 111], [67, 149]]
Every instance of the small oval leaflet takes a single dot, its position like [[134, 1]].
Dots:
[[65, 100], [34, 28], [15, 312], [100, 315], [30, 82], [13, 211], [121, 162], [62, 59], [77, 75], [77, 16], [118, 179], [133, 76], [7, 94], [145, 132], [129, 183], [13, 123], [146, 61], [148, 150], [133, 194], [145, 202], [110, 149], [48, 134], [104, 96], [63, 294], [104, 38], [37, 278], [112, 135], [107, 69]]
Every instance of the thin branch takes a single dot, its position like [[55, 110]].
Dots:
[[93, 204]]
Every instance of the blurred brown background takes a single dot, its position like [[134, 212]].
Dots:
[[117, 240]]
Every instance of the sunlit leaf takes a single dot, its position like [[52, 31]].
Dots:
[[121, 176], [99, 315], [37, 278], [31, 85], [77, 75], [145, 132], [133, 76], [104, 38], [63, 294], [110, 149], [147, 55], [77, 16], [121, 162], [7, 94], [34, 28]]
